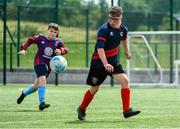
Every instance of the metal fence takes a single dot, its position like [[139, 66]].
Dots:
[[25, 20], [78, 25]]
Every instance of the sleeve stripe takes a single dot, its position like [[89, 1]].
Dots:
[[101, 38]]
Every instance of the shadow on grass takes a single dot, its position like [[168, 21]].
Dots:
[[27, 110], [19, 110], [96, 121]]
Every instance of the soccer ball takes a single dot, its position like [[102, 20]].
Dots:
[[58, 64]]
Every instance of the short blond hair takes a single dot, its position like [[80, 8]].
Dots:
[[115, 11]]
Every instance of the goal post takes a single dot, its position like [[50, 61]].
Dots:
[[150, 61]]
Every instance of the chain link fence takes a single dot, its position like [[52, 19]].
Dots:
[[78, 24]]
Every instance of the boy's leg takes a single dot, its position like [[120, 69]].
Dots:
[[42, 92], [125, 95], [42, 73], [88, 97], [28, 91], [95, 78]]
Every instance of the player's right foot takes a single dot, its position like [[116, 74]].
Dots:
[[43, 105], [21, 98], [130, 112], [81, 114]]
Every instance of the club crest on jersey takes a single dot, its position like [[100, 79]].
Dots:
[[48, 51], [111, 33], [121, 34], [42, 42]]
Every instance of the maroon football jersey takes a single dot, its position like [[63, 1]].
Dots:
[[46, 48]]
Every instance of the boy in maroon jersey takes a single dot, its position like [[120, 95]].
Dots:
[[105, 62], [48, 46]]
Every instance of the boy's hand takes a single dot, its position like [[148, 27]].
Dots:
[[57, 51], [109, 68], [63, 50], [23, 52], [128, 55]]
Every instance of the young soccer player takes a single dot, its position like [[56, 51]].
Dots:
[[48, 46], [105, 62]]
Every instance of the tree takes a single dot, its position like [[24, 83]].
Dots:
[[103, 11]]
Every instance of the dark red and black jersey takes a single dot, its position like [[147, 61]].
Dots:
[[109, 39]]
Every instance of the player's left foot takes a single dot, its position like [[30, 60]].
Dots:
[[81, 114], [130, 112], [43, 105], [21, 98]]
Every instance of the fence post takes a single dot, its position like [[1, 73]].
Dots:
[[56, 11], [112, 2], [148, 37], [56, 21], [112, 80], [11, 59], [171, 40], [177, 49], [119, 3], [87, 37], [18, 34], [4, 42]]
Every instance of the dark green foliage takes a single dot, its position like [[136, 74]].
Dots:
[[29, 30]]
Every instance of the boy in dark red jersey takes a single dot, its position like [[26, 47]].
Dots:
[[47, 48], [105, 62]]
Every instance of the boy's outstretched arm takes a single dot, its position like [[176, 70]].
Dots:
[[26, 44], [23, 52]]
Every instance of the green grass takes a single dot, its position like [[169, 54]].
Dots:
[[159, 108]]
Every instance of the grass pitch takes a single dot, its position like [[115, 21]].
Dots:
[[160, 108]]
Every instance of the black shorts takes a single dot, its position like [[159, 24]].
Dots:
[[42, 70], [97, 76]]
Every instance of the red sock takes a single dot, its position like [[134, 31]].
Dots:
[[86, 100], [125, 95]]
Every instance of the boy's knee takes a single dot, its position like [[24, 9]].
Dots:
[[94, 89]]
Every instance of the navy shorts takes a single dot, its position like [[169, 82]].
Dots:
[[42, 70], [97, 76]]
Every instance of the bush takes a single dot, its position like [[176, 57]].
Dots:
[[29, 30]]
